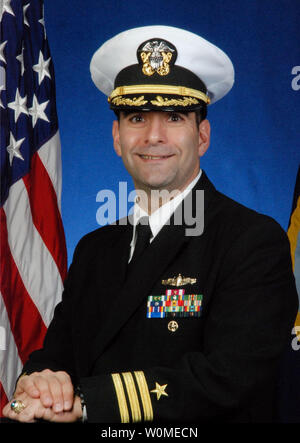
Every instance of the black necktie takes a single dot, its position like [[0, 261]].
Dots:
[[143, 234]]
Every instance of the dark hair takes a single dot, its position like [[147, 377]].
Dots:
[[200, 113]]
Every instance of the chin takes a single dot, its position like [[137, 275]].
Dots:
[[156, 184]]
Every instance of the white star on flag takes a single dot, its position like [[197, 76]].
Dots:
[[5, 7], [19, 105], [37, 111], [24, 14], [2, 46], [20, 58], [42, 67], [14, 148]]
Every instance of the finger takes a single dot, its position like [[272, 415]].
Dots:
[[69, 416], [67, 390], [56, 390], [42, 383], [26, 384], [6, 410], [19, 416], [43, 413], [63, 417], [10, 414], [33, 410], [27, 415]]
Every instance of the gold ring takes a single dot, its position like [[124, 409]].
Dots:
[[17, 406]]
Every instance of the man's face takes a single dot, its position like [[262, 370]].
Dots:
[[161, 150]]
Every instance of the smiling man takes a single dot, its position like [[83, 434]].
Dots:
[[161, 151], [155, 324]]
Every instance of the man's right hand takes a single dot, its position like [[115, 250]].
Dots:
[[55, 389]]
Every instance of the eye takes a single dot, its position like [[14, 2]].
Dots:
[[175, 117], [136, 118]]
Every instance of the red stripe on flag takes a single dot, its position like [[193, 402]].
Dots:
[[26, 323], [3, 399], [45, 212]]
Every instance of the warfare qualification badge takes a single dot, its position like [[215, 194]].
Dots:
[[179, 281], [156, 55]]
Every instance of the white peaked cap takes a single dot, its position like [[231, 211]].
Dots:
[[194, 53]]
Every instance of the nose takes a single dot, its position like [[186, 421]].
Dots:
[[156, 131]]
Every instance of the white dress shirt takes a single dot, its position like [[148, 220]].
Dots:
[[159, 217]]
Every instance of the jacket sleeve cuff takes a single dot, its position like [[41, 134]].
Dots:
[[117, 398]]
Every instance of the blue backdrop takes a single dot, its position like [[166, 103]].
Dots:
[[254, 152]]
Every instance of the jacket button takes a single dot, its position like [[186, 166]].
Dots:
[[173, 326]]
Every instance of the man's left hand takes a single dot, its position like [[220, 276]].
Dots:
[[34, 410]]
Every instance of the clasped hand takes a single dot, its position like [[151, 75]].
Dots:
[[46, 395]]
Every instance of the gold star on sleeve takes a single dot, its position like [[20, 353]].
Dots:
[[159, 390]]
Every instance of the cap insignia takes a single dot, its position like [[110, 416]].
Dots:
[[155, 56]]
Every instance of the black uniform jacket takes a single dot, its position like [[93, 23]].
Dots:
[[215, 362]]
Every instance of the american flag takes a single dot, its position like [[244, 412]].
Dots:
[[33, 250]]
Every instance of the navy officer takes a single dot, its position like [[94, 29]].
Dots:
[[162, 320]]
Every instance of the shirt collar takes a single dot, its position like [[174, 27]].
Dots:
[[159, 217]]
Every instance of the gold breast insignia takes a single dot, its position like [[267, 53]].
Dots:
[[179, 281]]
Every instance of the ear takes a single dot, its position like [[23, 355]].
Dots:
[[116, 137], [204, 137]]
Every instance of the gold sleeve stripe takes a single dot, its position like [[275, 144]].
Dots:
[[133, 398], [159, 89], [145, 396], [121, 398]]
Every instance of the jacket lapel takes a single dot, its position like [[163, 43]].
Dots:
[[113, 266], [147, 271]]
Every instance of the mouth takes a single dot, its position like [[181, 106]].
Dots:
[[154, 157]]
